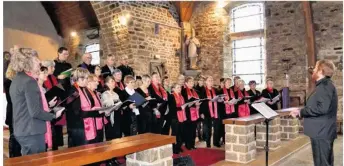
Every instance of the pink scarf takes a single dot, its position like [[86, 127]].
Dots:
[[48, 134], [243, 109], [213, 111], [229, 108], [179, 102], [194, 111]]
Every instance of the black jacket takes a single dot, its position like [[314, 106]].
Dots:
[[126, 70], [268, 95], [320, 112], [106, 71]]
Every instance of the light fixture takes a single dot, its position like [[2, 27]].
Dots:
[[73, 33], [123, 20], [220, 4]]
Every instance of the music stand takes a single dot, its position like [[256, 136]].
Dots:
[[269, 115]]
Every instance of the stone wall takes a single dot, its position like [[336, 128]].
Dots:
[[210, 24], [160, 156], [285, 38], [328, 24], [138, 38]]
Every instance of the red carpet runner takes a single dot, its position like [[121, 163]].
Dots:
[[203, 156]]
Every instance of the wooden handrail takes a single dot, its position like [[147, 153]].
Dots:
[[94, 152]]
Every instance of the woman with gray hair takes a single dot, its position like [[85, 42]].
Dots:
[[29, 116]]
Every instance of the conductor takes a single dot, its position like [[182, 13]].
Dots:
[[320, 114]]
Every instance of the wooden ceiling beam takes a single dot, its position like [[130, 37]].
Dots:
[[311, 55], [184, 9]]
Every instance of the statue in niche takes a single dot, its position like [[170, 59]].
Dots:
[[193, 49]]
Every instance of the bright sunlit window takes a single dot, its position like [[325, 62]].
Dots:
[[248, 52], [94, 50]]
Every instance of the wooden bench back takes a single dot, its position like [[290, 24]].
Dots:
[[92, 153]]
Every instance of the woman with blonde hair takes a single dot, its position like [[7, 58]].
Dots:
[[81, 123], [29, 116]]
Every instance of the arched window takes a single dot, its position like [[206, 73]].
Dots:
[[247, 42], [94, 50]]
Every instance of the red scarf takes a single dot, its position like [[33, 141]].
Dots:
[[229, 108], [101, 81], [194, 111], [121, 86], [270, 90], [160, 91], [243, 109], [179, 102], [49, 84], [213, 111]]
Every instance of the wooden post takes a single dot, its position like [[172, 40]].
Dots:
[[311, 56]]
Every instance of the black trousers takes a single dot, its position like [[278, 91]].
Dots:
[[156, 125], [322, 152], [144, 123], [57, 136], [177, 130], [167, 126], [129, 127], [189, 133], [207, 128], [13, 145]]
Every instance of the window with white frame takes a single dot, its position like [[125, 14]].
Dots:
[[247, 42], [94, 49]]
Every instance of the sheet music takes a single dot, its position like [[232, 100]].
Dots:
[[56, 109], [266, 111], [275, 99], [262, 100], [233, 101]]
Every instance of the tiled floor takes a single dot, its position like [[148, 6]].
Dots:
[[304, 156]]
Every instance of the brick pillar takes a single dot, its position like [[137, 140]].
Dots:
[[156, 156], [289, 128], [240, 144], [274, 134], [300, 123]]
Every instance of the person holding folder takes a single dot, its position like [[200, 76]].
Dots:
[[62, 65], [94, 100], [210, 113], [192, 113], [242, 106], [129, 119], [50, 129], [119, 86], [146, 112], [178, 116], [81, 119], [109, 98], [159, 93], [255, 95], [57, 126], [271, 93]]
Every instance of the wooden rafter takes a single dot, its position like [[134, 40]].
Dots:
[[311, 56], [185, 9]]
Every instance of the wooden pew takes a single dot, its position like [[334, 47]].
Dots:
[[92, 153]]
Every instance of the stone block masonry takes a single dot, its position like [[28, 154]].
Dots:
[[159, 156], [274, 134], [289, 128], [240, 144]]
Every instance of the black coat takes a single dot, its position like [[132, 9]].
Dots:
[[320, 112]]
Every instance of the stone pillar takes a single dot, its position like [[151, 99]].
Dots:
[[289, 128], [240, 144], [274, 134], [159, 156]]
